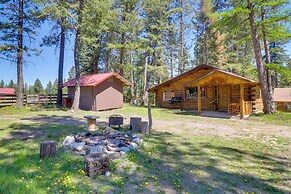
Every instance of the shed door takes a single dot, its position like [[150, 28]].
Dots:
[[223, 97]]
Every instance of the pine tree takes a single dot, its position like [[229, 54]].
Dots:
[[209, 46], [37, 87], [48, 88], [11, 84], [18, 21], [95, 30], [54, 89], [156, 15], [59, 13], [2, 84], [77, 48]]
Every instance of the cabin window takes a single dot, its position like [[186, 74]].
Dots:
[[287, 106], [192, 92], [167, 95]]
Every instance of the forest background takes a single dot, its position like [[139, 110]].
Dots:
[[146, 41]]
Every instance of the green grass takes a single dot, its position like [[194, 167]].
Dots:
[[278, 118], [169, 161]]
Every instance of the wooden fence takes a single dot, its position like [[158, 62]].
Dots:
[[30, 99]]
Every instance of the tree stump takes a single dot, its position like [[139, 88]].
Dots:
[[47, 149], [144, 127], [96, 164], [135, 124]]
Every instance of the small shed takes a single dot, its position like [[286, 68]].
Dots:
[[99, 91], [207, 87], [7, 91], [282, 99]]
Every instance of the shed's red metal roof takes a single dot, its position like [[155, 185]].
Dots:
[[7, 91], [95, 79]]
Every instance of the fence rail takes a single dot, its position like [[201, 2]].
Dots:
[[30, 99]]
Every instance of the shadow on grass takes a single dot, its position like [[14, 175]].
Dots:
[[193, 168], [53, 119]]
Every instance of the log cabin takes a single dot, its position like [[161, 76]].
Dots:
[[282, 99], [209, 88]]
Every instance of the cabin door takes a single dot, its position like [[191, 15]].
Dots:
[[223, 97]]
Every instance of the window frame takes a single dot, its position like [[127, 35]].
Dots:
[[195, 92], [168, 95], [287, 106]]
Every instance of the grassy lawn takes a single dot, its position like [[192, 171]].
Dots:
[[184, 153]]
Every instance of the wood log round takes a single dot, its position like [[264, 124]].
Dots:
[[47, 149], [135, 124], [96, 164], [144, 127]]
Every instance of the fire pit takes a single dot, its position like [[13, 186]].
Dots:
[[115, 120]]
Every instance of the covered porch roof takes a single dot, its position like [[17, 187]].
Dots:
[[220, 77]]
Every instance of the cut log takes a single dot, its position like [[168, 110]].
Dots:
[[91, 122], [96, 164], [135, 124], [47, 149], [144, 126]]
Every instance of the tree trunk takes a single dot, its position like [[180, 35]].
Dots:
[[266, 97], [20, 85], [61, 63], [108, 54], [181, 54], [132, 80], [145, 86], [76, 102], [150, 116], [122, 49], [267, 55]]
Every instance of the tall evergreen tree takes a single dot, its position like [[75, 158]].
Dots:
[[37, 87], [209, 46], [59, 13], [251, 11], [2, 84], [48, 88], [77, 48], [11, 84], [17, 18]]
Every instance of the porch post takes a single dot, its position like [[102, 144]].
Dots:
[[242, 101], [199, 100]]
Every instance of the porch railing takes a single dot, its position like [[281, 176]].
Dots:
[[234, 108]]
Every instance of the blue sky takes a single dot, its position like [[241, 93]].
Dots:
[[45, 66]]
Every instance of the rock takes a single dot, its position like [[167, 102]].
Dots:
[[139, 141], [121, 145], [135, 136], [110, 148], [107, 173], [124, 149], [133, 146], [122, 153], [77, 146], [113, 155], [96, 149], [110, 130], [83, 153], [69, 140]]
